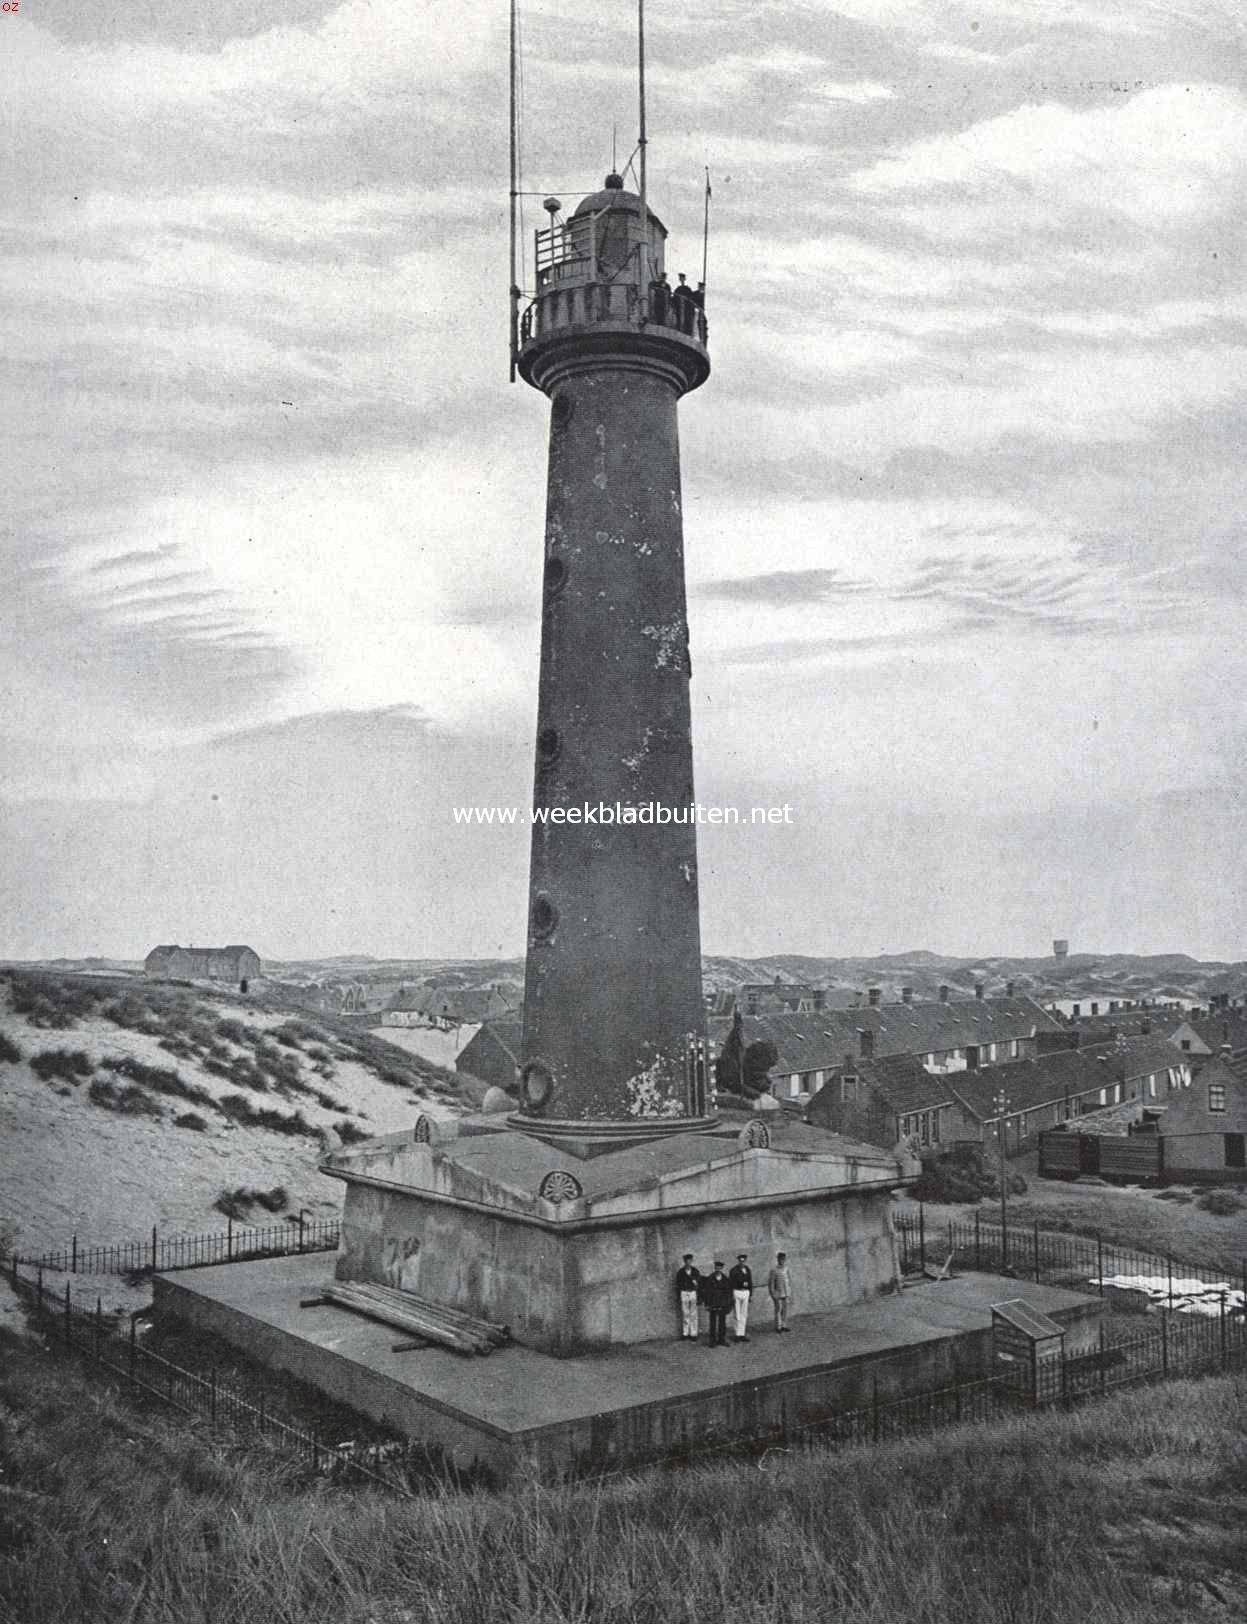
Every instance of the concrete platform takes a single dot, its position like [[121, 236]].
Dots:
[[564, 1416]]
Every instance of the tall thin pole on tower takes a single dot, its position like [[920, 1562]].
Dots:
[[705, 234], [641, 145], [515, 189]]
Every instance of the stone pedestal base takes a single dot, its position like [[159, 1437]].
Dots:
[[581, 1254]]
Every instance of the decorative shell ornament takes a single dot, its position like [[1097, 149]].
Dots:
[[560, 1186], [755, 1135]]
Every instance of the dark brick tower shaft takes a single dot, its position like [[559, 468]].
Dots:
[[613, 1015]]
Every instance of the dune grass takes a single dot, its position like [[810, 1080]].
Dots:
[[1125, 1512]]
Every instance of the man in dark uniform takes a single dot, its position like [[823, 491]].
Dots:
[[684, 307], [687, 1291], [717, 1296], [659, 298], [741, 1281]]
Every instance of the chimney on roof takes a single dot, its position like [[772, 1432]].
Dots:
[[907, 995], [943, 995], [866, 1043], [978, 990], [775, 981], [1010, 988], [874, 997]]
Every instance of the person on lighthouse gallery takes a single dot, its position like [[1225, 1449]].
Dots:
[[687, 1292], [779, 1285], [717, 1294], [741, 1279]]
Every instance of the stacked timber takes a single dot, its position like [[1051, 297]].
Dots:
[[447, 1327]]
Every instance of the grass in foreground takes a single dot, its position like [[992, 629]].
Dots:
[[1125, 1512]]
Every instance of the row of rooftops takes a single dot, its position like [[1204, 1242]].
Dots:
[[904, 1084], [819, 1039]]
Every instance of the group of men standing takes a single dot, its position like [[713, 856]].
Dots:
[[678, 305], [728, 1292]]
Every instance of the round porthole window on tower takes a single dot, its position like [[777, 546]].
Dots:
[[554, 577], [536, 1085], [545, 916]]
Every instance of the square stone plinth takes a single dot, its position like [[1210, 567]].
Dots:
[[579, 1254], [522, 1408]]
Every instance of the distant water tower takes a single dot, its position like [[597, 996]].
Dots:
[[1060, 948], [614, 1022]]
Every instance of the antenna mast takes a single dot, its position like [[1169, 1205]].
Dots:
[[515, 189], [641, 145]]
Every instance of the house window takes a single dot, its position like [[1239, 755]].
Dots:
[[1151, 1087], [794, 1086], [1104, 1096], [935, 1126], [925, 1120], [1116, 1093], [1186, 1043], [848, 1088], [1216, 1096]]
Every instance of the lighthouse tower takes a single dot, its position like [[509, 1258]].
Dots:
[[614, 1040], [565, 1218]]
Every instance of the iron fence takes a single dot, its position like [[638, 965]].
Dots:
[[104, 1340], [1029, 1252], [157, 1253], [1182, 1344]]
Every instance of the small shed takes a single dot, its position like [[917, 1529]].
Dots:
[[1027, 1349]]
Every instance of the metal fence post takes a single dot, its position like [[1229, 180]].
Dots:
[[300, 1229], [978, 1248], [73, 1263], [1164, 1344], [922, 1237], [229, 1240], [1036, 1249], [153, 1248], [1169, 1265], [1099, 1261]]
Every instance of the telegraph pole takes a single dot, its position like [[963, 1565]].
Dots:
[[1001, 1104]]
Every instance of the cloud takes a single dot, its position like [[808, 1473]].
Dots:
[[781, 587], [1168, 152]]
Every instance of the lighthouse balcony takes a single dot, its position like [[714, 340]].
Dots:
[[596, 318], [590, 304]]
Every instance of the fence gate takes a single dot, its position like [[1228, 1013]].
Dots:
[[1027, 1351]]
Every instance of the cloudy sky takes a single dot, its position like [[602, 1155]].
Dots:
[[962, 496]]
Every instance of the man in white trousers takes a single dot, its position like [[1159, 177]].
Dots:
[[741, 1278], [687, 1291]]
